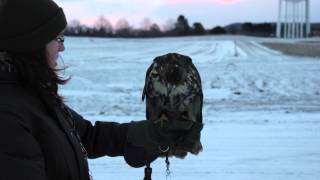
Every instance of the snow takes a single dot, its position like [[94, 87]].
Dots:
[[261, 107]]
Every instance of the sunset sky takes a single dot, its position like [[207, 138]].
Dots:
[[209, 12]]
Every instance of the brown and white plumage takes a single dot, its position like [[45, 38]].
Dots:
[[173, 91]]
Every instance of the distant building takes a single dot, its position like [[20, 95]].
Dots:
[[294, 19]]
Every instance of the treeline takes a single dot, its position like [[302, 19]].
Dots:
[[252, 29], [179, 27], [103, 28]]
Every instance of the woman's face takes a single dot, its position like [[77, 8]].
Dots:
[[52, 50]]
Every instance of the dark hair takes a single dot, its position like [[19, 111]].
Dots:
[[36, 74]]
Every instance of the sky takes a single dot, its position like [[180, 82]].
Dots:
[[209, 12]]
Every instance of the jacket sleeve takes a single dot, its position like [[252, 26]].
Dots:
[[20, 153], [102, 138], [110, 138]]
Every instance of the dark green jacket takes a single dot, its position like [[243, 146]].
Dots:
[[37, 141]]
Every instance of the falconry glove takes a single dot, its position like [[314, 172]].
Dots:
[[153, 138]]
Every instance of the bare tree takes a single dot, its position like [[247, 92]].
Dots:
[[198, 29], [122, 28], [122, 24], [74, 23], [182, 27], [155, 30], [146, 24], [169, 25], [103, 26], [74, 27]]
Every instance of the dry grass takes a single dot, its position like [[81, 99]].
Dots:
[[308, 49]]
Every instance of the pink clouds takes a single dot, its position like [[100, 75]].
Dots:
[[202, 1], [227, 1]]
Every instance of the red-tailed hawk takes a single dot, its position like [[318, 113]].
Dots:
[[173, 92]]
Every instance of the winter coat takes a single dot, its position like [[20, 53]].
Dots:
[[38, 140]]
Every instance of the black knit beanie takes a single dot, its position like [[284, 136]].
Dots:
[[28, 25]]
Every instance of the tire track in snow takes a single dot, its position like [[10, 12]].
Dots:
[[254, 50]]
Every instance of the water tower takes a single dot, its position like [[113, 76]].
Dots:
[[294, 19]]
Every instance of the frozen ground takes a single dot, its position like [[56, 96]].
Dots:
[[261, 110]]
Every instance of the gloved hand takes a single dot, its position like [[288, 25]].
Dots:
[[179, 135]]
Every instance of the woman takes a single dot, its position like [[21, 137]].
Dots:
[[40, 137]]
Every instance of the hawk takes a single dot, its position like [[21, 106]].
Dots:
[[173, 92]]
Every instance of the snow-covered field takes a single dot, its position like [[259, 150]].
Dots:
[[261, 109]]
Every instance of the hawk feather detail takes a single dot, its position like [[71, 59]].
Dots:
[[173, 92]]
